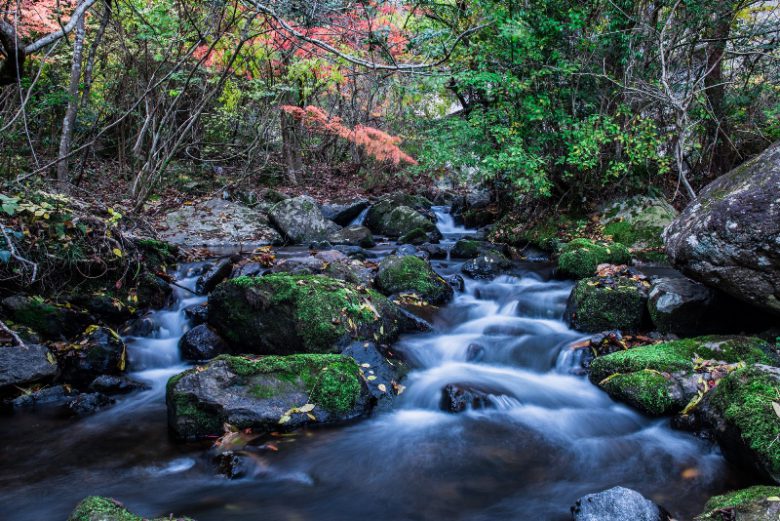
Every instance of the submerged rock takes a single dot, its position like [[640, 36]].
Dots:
[[580, 257], [111, 384], [201, 343], [89, 403], [617, 504], [412, 275], [57, 395], [267, 394], [281, 313], [459, 398], [599, 304], [742, 413], [301, 221], [729, 237], [25, 364], [96, 508], [197, 313], [759, 503]]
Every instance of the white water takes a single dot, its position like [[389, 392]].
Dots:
[[361, 218], [446, 224]]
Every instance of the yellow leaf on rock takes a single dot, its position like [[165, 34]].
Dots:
[[117, 252]]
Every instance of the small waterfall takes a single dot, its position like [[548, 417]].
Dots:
[[446, 224], [361, 218]]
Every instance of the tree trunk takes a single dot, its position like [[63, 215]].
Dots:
[[291, 149], [722, 155], [73, 104]]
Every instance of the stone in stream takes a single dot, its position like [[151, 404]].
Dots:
[[682, 306], [663, 378], [392, 218], [112, 384], [300, 220], [412, 275], [99, 351], [617, 504], [219, 223], [216, 274], [89, 403], [607, 303], [267, 394], [743, 414], [456, 281], [434, 251], [48, 319], [143, 326], [343, 212], [475, 353], [758, 503], [353, 235], [201, 343], [21, 365], [488, 265], [196, 314], [97, 508], [416, 237], [282, 314], [152, 291], [382, 374], [57, 395], [457, 398], [331, 263], [729, 236], [580, 257]]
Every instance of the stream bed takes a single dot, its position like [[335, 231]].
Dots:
[[548, 438]]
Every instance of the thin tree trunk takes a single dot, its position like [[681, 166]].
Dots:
[[717, 128], [291, 148], [73, 104]]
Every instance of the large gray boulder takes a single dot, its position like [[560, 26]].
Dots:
[[729, 237], [219, 223], [682, 306], [300, 220], [24, 364], [617, 504]]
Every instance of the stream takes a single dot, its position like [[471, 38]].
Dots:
[[548, 437]]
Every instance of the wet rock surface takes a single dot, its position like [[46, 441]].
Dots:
[[617, 504], [202, 343]]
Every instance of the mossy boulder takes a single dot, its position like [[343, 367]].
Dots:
[[663, 378], [546, 234], [417, 237], [759, 503], [300, 220], [466, 249], [638, 222], [99, 351], [410, 274], [283, 314], [397, 215], [97, 508], [265, 394], [353, 235], [580, 257], [49, 319], [487, 265], [597, 304], [742, 413]]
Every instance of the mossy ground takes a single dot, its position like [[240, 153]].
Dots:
[[739, 497], [745, 399], [646, 390], [97, 508], [678, 355], [325, 310], [580, 257], [332, 381], [408, 273]]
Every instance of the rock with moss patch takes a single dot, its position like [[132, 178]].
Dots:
[[48, 319], [266, 394], [397, 214], [300, 220], [282, 314], [742, 413], [598, 304], [99, 351], [97, 508], [759, 503], [417, 237], [729, 237], [466, 249], [663, 378], [638, 222], [580, 257], [488, 265], [409, 274]]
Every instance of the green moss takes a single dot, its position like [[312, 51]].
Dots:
[[415, 236], [580, 257], [96, 508], [646, 390], [466, 249], [197, 419], [678, 355], [745, 399], [620, 306], [645, 240], [412, 274], [332, 381], [740, 497]]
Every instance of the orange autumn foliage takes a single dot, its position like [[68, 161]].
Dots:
[[376, 143]]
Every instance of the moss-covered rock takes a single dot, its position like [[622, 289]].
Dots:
[[49, 319], [580, 257], [97, 508], [663, 378], [547, 234], [398, 214], [98, 351], [679, 355], [466, 249], [152, 291], [598, 305], [487, 265], [743, 416], [265, 394], [416, 236], [283, 313], [638, 222], [759, 503], [414, 275]]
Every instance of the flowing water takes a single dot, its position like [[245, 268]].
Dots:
[[548, 437]]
